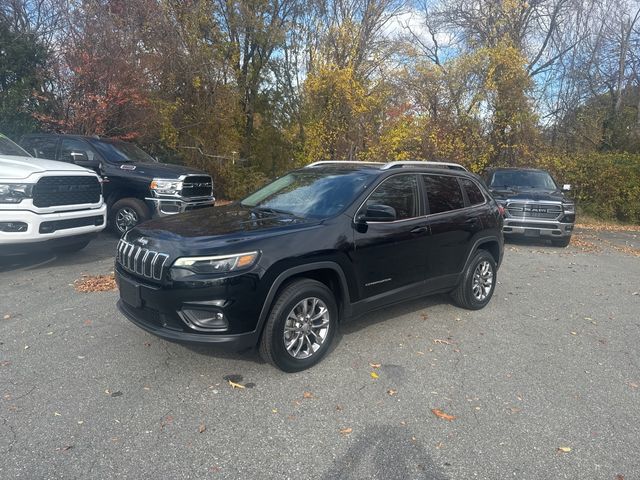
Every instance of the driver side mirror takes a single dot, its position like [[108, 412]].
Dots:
[[378, 213]]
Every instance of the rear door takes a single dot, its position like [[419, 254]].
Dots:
[[453, 223], [390, 254]]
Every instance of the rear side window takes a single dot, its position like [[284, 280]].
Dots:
[[474, 194], [443, 193], [41, 147]]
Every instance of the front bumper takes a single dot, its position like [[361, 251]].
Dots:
[[536, 228], [45, 227], [164, 310], [162, 207]]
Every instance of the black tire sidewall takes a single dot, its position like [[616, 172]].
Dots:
[[135, 204], [278, 317]]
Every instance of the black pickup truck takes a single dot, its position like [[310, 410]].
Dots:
[[136, 186]]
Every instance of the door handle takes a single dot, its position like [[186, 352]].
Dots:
[[422, 229]]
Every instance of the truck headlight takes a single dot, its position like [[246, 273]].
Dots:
[[164, 186], [15, 192], [569, 207], [218, 263]]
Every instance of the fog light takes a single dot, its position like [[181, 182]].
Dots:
[[207, 320], [13, 227]]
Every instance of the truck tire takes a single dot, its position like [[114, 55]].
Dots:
[[561, 242], [127, 213]]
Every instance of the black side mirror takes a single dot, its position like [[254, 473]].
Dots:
[[379, 213]]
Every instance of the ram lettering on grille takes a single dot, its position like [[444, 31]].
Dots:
[[141, 261]]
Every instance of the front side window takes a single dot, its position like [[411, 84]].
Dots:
[[74, 149], [399, 192], [443, 193]]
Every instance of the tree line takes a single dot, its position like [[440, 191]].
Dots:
[[280, 83]]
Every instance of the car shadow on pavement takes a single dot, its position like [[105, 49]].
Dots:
[[101, 248], [385, 452], [531, 242]]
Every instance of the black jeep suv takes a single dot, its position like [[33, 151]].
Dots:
[[534, 205], [322, 244], [136, 186]]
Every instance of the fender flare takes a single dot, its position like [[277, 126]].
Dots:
[[474, 249], [290, 272]]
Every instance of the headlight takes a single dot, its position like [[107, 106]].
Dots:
[[166, 186], [217, 264], [15, 192], [569, 207]]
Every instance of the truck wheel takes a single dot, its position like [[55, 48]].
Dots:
[[300, 327], [72, 247], [127, 213], [561, 242], [478, 282]]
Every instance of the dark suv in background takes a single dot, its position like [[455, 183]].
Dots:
[[534, 205], [322, 244], [136, 186]]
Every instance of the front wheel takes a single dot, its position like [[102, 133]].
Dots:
[[300, 327], [561, 242], [478, 282], [127, 213]]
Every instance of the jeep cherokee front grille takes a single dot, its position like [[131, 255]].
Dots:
[[68, 190], [141, 261], [534, 210]]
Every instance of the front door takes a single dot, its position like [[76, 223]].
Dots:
[[390, 239]]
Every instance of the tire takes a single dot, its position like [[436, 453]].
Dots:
[[473, 295], [561, 242], [126, 214], [72, 247], [288, 310]]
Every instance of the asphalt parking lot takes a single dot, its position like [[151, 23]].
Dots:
[[544, 383]]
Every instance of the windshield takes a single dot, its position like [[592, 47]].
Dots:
[[122, 152], [523, 179], [310, 193], [7, 147]]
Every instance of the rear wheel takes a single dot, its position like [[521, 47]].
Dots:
[[300, 327], [478, 282], [127, 213]]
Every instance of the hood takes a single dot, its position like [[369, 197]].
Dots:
[[22, 167], [158, 170], [527, 195], [208, 229]]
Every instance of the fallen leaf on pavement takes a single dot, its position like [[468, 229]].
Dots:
[[7, 317], [202, 428], [87, 323], [338, 408], [67, 447], [235, 385], [375, 365], [441, 414], [574, 333], [346, 431], [633, 385], [95, 283], [5, 363], [374, 375], [56, 414], [117, 394], [564, 449], [392, 391], [441, 342], [307, 395], [619, 477]]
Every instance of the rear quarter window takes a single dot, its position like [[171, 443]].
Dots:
[[474, 194]]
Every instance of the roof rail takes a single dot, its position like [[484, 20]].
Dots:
[[423, 163], [341, 162]]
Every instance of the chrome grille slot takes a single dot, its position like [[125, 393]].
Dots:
[[141, 261], [534, 210]]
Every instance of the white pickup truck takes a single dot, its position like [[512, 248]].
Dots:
[[46, 205]]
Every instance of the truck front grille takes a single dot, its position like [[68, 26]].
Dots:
[[141, 261], [197, 186], [71, 190], [534, 210]]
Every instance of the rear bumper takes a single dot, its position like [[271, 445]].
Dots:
[[537, 228], [162, 207], [45, 227]]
